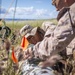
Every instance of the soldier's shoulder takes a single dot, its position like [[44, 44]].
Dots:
[[47, 24], [72, 7], [62, 12]]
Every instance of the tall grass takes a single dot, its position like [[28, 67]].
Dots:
[[20, 24], [15, 26]]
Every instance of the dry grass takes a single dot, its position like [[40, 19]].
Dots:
[[7, 67]]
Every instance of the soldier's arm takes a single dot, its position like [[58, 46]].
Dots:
[[55, 43], [59, 39]]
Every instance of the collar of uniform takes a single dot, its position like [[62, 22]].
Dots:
[[62, 12], [72, 7]]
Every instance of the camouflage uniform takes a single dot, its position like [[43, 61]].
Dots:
[[70, 47], [47, 25], [32, 68], [60, 38]]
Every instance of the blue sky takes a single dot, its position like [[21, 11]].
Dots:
[[28, 9]]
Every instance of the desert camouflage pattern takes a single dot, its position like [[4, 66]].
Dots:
[[55, 40], [60, 38], [48, 27], [32, 69], [71, 47]]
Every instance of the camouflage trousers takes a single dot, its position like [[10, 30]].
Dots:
[[32, 69]]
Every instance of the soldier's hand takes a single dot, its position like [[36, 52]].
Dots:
[[51, 61], [28, 53], [19, 53]]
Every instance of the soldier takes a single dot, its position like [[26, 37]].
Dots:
[[62, 35], [71, 46], [32, 33], [5, 31], [60, 38], [35, 35]]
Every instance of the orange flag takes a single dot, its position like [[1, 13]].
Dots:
[[13, 56], [24, 43]]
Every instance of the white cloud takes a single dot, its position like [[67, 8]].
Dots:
[[29, 12], [21, 10], [40, 12], [53, 14]]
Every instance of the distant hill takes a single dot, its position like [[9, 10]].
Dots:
[[9, 19], [17, 19]]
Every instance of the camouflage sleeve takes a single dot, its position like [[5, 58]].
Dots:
[[58, 41], [47, 25]]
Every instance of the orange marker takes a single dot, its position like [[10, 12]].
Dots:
[[13, 56], [24, 43]]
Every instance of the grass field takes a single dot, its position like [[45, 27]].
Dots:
[[6, 64], [20, 24], [7, 67]]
